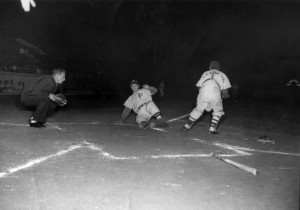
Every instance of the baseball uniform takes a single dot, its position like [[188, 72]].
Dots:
[[141, 103], [212, 85]]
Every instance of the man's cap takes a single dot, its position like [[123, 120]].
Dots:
[[134, 82]]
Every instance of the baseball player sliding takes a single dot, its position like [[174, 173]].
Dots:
[[141, 103], [213, 86]]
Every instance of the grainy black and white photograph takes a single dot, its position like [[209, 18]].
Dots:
[[149, 104]]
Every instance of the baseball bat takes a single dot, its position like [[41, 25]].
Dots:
[[238, 165], [174, 119]]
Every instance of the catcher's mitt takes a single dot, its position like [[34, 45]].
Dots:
[[60, 100]]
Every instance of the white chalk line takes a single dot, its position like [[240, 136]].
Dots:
[[241, 153], [188, 156], [52, 125], [72, 123], [37, 161], [255, 150], [105, 154], [241, 150], [132, 125], [14, 124], [110, 156]]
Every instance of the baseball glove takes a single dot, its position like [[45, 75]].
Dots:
[[60, 100]]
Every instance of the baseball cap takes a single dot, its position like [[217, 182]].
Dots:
[[134, 82]]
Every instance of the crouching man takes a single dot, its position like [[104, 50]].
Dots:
[[42, 98]]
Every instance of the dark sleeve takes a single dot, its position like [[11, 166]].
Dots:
[[125, 113], [45, 86]]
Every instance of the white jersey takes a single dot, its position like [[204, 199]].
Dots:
[[137, 99], [220, 78], [211, 83]]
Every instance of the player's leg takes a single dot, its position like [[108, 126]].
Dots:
[[41, 103], [195, 115], [41, 111], [143, 117], [216, 117], [154, 110]]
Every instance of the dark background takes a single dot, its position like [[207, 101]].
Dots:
[[113, 42]]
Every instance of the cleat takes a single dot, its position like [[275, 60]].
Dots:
[[184, 129], [213, 132], [144, 125], [152, 125], [37, 125]]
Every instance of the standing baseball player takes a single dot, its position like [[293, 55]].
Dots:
[[141, 103], [213, 86]]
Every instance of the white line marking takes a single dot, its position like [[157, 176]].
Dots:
[[84, 123], [54, 126], [37, 161], [242, 153], [171, 120], [159, 129], [108, 155], [188, 156], [127, 124], [93, 147], [15, 124], [237, 150], [256, 150]]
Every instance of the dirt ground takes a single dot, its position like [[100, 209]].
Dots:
[[83, 160]]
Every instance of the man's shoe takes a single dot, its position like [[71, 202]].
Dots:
[[37, 125], [144, 124], [213, 132]]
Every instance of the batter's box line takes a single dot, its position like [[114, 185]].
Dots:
[[34, 162], [256, 150], [85, 144], [223, 146], [52, 125], [132, 125], [171, 156], [241, 150]]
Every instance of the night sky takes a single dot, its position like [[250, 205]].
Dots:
[[256, 42]]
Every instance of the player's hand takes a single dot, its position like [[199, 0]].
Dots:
[[146, 86], [225, 96], [52, 96]]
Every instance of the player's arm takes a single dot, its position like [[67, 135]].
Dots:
[[225, 94], [152, 90], [125, 113]]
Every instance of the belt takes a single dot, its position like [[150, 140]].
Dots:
[[142, 106]]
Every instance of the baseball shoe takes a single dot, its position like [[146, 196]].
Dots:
[[36, 124], [144, 124], [184, 129], [213, 132]]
